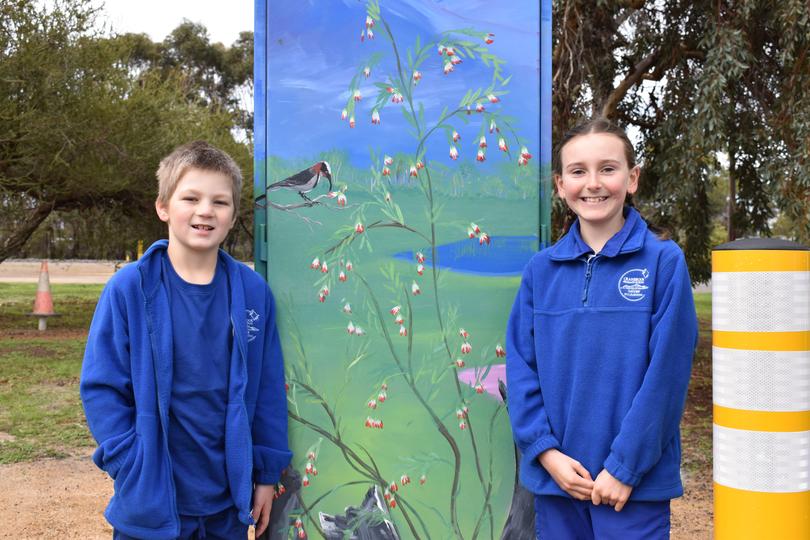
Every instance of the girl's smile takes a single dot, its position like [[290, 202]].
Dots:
[[594, 182]]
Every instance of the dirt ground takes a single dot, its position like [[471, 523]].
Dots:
[[65, 498]]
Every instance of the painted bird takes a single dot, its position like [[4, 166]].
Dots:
[[306, 180]]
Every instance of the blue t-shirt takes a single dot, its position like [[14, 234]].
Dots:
[[202, 350]]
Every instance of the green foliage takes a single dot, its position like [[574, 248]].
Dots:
[[692, 79], [86, 119]]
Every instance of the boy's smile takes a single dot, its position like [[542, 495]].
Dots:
[[199, 212]]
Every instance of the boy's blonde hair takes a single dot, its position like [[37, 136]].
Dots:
[[197, 155]]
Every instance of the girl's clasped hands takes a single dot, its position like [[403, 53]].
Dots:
[[574, 479]]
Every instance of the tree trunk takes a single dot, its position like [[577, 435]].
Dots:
[[732, 195], [16, 240]]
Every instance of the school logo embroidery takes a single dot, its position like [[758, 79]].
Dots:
[[632, 284], [252, 329]]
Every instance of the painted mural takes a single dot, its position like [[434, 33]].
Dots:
[[397, 196]]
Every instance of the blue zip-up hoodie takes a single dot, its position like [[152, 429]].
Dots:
[[126, 387], [599, 354]]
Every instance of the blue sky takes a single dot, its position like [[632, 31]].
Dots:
[[314, 50]]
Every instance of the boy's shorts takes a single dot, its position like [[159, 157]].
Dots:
[[562, 518], [224, 525]]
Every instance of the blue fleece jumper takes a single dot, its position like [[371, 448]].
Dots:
[[126, 385], [599, 354]]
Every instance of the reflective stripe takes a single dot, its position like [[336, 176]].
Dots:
[[761, 460], [751, 515], [759, 380], [761, 420], [762, 341], [756, 260], [761, 301]]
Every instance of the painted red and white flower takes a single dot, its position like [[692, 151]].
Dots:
[[417, 76], [388, 160], [500, 352], [479, 107], [324, 267], [403, 331], [366, 71], [453, 152], [459, 363], [448, 67], [483, 239], [420, 257], [475, 228], [341, 199], [412, 170], [359, 228], [386, 171], [349, 266], [375, 116], [489, 38], [420, 269], [344, 114], [456, 136], [493, 98], [415, 290], [351, 122], [524, 153], [463, 333], [357, 95], [466, 348], [395, 310], [481, 156], [502, 144], [342, 276], [397, 98], [315, 264], [482, 142], [347, 308]]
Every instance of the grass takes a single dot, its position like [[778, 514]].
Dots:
[[696, 426], [39, 373]]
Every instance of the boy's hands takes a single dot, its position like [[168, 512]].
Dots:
[[608, 490], [262, 504], [569, 473]]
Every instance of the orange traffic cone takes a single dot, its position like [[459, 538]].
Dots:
[[43, 303]]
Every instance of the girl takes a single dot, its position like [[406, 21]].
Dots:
[[600, 343]]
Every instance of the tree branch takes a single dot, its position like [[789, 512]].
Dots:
[[633, 78]]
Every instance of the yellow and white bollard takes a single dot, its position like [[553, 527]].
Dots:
[[761, 387]]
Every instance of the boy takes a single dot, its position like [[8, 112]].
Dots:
[[182, 380]]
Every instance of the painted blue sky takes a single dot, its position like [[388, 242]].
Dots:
[[314, 50]]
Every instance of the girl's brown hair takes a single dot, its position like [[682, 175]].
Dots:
[[598, 125]]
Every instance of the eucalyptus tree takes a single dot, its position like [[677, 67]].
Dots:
[[703, 86]]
